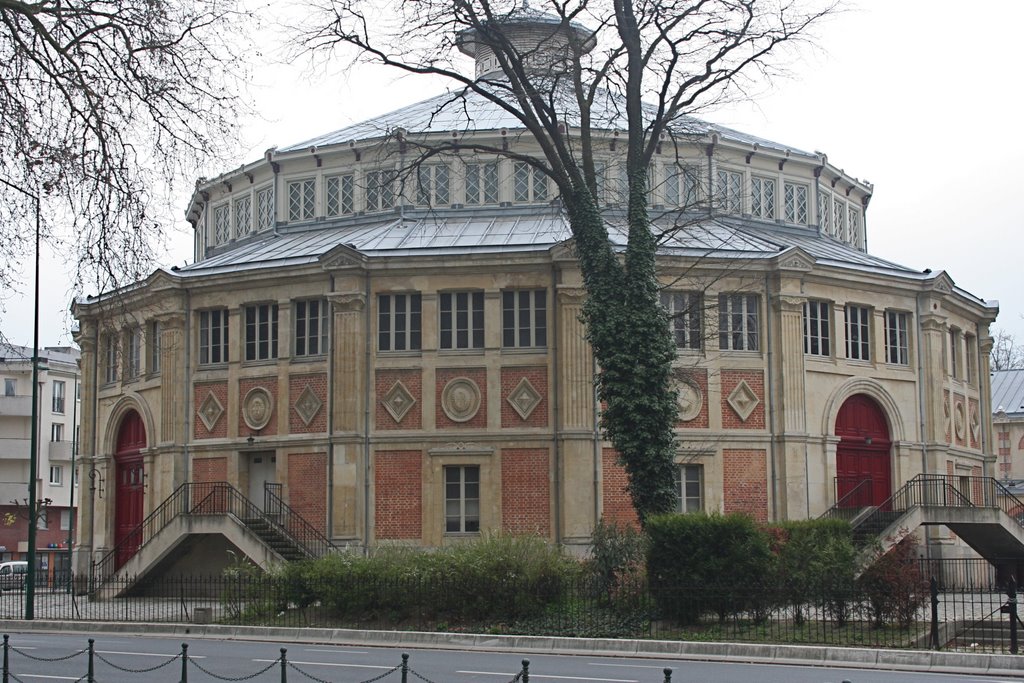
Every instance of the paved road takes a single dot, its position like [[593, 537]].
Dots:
[[341, 664]]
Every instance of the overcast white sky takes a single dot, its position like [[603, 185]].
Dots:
[[921, 97]]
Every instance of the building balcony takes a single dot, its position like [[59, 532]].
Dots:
[[16, 406], [59, 450], [12, 490], [14, 449]]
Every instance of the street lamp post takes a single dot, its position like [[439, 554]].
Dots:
[[33, 458]]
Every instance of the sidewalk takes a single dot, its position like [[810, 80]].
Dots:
[[894, 660]]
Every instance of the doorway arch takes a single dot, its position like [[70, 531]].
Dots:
[[129, 485], [863, 456]]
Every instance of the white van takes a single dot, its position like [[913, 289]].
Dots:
[[12, 575]]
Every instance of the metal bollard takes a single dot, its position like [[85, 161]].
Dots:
[[1011, 608], [668, 674], [934, 637], [405, 667], [7, 669], [526, 671], [284, 665], [90, 675], [184, 663]]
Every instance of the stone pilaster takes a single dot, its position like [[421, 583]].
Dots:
[[789, 403], [347, 401]]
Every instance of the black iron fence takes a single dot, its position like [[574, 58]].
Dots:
[[968, 609]]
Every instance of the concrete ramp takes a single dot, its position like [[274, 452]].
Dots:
[[174, 537]]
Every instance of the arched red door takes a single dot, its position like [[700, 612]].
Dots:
[[128, 487], [863, 461]]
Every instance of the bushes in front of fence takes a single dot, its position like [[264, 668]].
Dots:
[[894, 585], [815, 557], [494, 577]]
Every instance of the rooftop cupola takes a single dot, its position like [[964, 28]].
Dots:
[[544, 40]]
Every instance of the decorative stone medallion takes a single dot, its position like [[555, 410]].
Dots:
[[959, 421], [743, 400], [690, 400], [398, 401], [308, 405], [460, 399], [524, 398], [210, 411], [256, 408]]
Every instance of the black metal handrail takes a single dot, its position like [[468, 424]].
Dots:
[[854, 500], [304, 534], [211, 498]]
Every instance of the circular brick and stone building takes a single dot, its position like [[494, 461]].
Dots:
[[392, 352]]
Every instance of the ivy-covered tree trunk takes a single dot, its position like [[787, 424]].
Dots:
[[629, 333]]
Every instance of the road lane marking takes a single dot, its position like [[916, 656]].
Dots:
[[342, 652], [147, 654], [59, 678], [561, 678], [352, 666]]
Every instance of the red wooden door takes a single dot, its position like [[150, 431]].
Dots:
[[129, 482], [863, 454]]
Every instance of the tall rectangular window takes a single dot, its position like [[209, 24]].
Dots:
[[681, 186], [265, 209], [529, 184], [762, 197], [243, 216], [340, 194], [817, 328], [133, 359], [896, 345], [433, 185], [824, 213], [301, 199], [65, 519], [524, 320], [686, 312], [261, 332], [853, 227], [689, 485], [10, 387], [858, 332], [110, 358], [222, 223], [56, 475], [729, 190], [482, 183], [398, 322], [59, 393], [380, 190], [738, 322], [970, 356], [462, 499], [796, 203], [154, 347], [954, 353], [213, 336], [310, 327], [56, 431], [462, 320], [839, 219]]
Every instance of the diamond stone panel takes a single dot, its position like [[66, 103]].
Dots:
[[524, 398], [398, 401]]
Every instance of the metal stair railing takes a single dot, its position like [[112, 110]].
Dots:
[[207, 498], [304, 534], [1006, 501], [852, 502]]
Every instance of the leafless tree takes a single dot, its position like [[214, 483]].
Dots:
[[640, 67], [104, 106], [1007, 353]]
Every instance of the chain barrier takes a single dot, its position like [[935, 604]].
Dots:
[[321, 680], [417, 675], [136, 671], [48, 659], [229, 678]]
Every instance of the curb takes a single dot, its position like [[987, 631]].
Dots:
[[922, 661]]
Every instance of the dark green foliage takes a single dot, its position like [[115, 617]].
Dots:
[[727, 557], [816, 557], [494, 577]]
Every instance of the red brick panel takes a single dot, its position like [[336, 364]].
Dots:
[[525, 491], [617, 503], [730, 380], [445, 375], [413, 381], [698, 377], [209, 469], [510, 379], [398, 494], [745, 479], [296, 387], [977, 490], [307, 487], [247, 385], [199, 393], [207, 497]]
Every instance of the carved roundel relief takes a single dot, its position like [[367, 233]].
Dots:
[[256, 408], [690, 400], [460, 399], [959, 420]]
